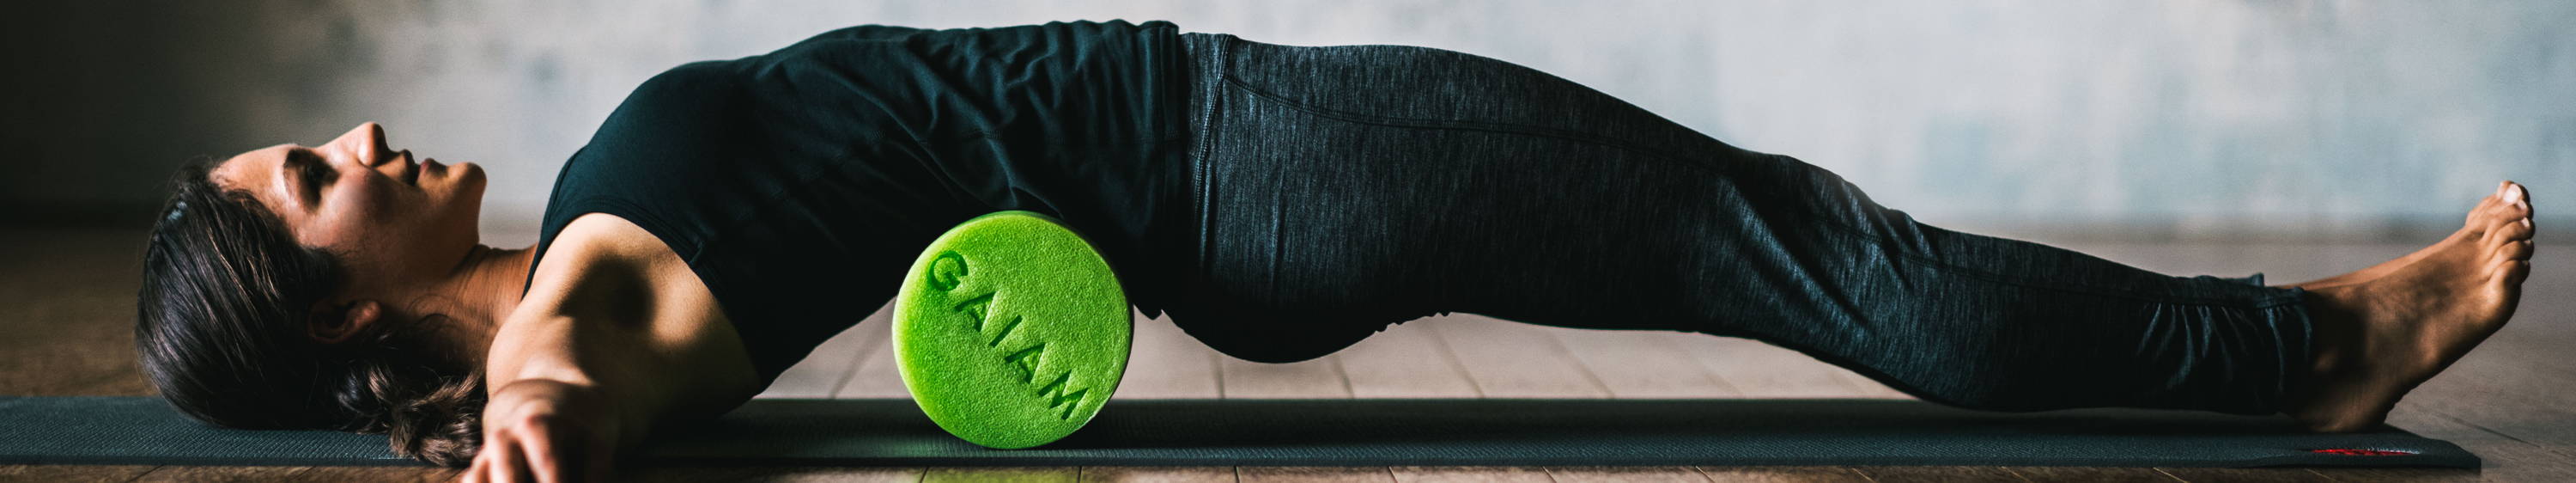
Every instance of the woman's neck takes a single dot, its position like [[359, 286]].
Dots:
[[489, 283]]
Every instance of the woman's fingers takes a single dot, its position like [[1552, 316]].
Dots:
[[483, 470], [523, 453], [536, 441], [474, 472], [546, 431], [557, 450], [509, 465]]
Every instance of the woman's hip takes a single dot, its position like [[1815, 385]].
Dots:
[[1339, 189]]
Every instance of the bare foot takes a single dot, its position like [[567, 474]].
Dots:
[[2476, 215], [2380, 335]]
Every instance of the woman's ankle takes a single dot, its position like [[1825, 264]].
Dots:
[[2335, 336]]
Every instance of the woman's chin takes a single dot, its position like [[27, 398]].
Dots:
[[463, 183], [461, 174]]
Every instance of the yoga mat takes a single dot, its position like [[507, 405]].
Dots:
[[1345, 432]]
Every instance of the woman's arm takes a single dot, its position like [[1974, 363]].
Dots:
[[602, 349]]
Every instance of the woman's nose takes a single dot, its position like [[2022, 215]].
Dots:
[[365, 143]]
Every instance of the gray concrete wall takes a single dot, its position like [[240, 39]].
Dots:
[[2044, 119]]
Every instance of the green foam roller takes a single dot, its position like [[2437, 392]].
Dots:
[[1011, 330]]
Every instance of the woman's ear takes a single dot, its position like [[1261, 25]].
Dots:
[[334, 324]]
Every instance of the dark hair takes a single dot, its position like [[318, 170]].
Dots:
[[221, 329]]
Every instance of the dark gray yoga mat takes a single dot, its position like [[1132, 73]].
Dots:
[[1520, 432]]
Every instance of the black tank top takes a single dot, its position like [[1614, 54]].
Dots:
[[801, 183]]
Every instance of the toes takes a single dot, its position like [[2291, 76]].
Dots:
[[2488, 203], [2513, 228], [2516, 197], [2524, 202], [2506, 205], [2516, 250], [2510, 209], [2513, 274]]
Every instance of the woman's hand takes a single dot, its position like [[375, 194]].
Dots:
[[545, 430]]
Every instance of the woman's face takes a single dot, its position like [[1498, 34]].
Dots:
[[391, 219]]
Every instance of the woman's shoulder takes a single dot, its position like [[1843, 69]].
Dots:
[[602, 264], [610, 306]]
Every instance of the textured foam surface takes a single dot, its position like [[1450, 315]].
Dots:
[[1011, 330], [1345, 432]]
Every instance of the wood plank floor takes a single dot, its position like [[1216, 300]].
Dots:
[[66, 308]]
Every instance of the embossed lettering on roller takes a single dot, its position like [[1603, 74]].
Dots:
[[1061, 394]]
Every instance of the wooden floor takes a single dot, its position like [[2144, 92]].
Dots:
[[66, 308]]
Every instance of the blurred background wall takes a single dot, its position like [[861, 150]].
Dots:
[[2054, 120]]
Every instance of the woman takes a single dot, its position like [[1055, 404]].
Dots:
[[1281, 202]]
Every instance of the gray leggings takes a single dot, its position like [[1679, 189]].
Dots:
[[1341, 189]]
